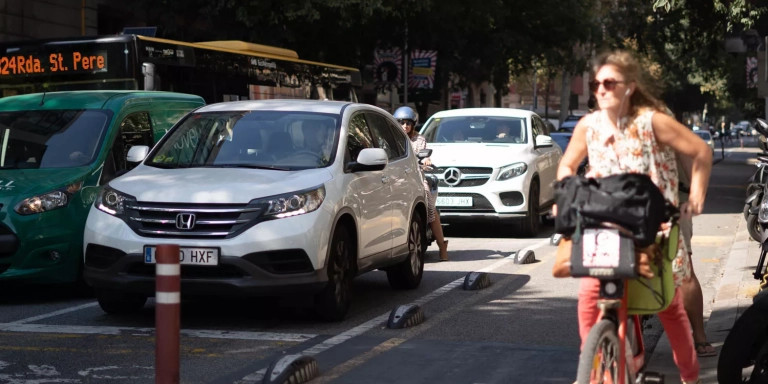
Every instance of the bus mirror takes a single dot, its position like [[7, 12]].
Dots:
[[137, 153], [148, 70]]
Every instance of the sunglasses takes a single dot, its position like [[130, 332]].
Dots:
[[608, 84], [405, 121]]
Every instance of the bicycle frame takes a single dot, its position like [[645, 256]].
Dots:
[[613, 306]]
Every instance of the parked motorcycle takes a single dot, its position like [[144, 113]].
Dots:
[[744, 356], [757, 198]]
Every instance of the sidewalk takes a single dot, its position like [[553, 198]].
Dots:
[[728, 295]]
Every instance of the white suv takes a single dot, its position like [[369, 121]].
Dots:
[[493, 164], [282, 196]]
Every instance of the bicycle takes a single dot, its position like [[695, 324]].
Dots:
[[614, 351]]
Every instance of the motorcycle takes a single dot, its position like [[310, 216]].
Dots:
[[746, 346], [427, 172], [757, 198]]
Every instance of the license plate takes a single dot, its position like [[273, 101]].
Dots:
[[454, 201], [600, 248], [188, 256]]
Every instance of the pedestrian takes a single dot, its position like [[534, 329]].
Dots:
[[631, 133], [407, 118], [693, 300]]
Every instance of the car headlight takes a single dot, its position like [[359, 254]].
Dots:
[[112, 201], [293, 204], [511, 171], [762, 215], [47, 201]]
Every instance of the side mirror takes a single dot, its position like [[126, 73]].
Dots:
[[369, 159], [544, 141], [137, 153], [424, 153]]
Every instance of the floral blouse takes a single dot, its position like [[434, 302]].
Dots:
[[634, 149]]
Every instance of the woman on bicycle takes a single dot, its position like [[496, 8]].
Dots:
[[631, 132]]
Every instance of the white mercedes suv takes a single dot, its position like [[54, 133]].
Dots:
[[493, 164], [279, 196]]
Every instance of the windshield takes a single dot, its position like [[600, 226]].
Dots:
[[704, 135], [51, 139], [477, 129], [253, 139]]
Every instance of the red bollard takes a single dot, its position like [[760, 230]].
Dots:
[[167, 313]]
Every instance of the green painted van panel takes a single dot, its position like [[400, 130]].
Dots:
[[46, 247]]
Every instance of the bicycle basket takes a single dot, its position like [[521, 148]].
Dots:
[[648, 296]]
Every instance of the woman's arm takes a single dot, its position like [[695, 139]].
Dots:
[[670, 132]]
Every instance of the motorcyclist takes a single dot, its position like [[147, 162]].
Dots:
[[408, 118]]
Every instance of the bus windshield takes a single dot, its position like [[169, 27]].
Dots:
[[50, 139]]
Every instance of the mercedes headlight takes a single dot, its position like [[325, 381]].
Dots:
[[47, 201], [293, 204], [511, 171], [112, 201]]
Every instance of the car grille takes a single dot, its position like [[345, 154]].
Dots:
[[479, 203], [195, 221], [470, 176]]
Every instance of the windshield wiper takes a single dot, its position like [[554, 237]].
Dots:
[[251, 166]]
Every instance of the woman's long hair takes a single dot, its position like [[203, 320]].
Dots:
[[629, 66]]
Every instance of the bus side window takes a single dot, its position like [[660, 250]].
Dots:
[[135, 129]]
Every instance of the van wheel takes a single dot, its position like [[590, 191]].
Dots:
[[117, 303], [332, 303], [529, 227], [408, 273]]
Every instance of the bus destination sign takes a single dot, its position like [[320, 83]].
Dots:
[[12, 64]]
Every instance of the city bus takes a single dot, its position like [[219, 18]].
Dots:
[[215, 70]]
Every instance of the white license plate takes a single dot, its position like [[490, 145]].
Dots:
[[188, 256], [601, 248], [454, 201]]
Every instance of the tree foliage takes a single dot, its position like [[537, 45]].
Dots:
[[484, 40]]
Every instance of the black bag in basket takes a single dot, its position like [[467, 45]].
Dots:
[[631, 200]]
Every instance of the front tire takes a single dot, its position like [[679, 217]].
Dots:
[[599, 358], [754, 228], [407, 274], [333, 302], [529, 227], [119, 303]]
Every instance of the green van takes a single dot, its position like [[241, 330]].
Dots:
[[56, 150]]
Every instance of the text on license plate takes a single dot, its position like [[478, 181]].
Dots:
[[188, 255], [454, 201]]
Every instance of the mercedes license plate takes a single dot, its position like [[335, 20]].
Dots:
[[454, 201]]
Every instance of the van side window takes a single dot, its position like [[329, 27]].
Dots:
[[135, 129]]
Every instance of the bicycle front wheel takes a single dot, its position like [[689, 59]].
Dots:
[[599, 359]]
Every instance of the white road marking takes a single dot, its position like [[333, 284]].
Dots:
[[257, 376], [136, 331], [55, 313]]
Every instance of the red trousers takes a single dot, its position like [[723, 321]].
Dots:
[[674, 319]]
